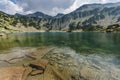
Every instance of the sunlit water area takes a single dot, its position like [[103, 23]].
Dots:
[[89, 55]]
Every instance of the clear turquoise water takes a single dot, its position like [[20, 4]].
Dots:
[[84, 42]]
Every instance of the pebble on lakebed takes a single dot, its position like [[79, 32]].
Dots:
[[52, 63]]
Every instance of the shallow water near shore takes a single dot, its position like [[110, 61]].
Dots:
[[88, 55]]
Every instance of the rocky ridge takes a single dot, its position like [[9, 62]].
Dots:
[[89, 17]]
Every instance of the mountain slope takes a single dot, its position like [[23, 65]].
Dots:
[[89, 17]]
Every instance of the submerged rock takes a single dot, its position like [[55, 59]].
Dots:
[[11, 73], [36, 72], [58, 64], [39, 64], [80, 67], [26, 73]]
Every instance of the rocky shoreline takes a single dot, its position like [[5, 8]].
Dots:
[[52, 63]]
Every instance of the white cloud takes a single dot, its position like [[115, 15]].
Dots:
[[104, 1], [9, 7], [51, 7], [109, 1], [76, 4]]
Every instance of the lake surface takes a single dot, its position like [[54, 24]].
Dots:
[[89, 55], [85, 42]]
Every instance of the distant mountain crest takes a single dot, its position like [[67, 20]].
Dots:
[[88, 17], [59, 15], [36, 15], [18, 15], [39, 15]]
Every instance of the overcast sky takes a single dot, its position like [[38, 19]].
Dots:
[[51, 7]]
